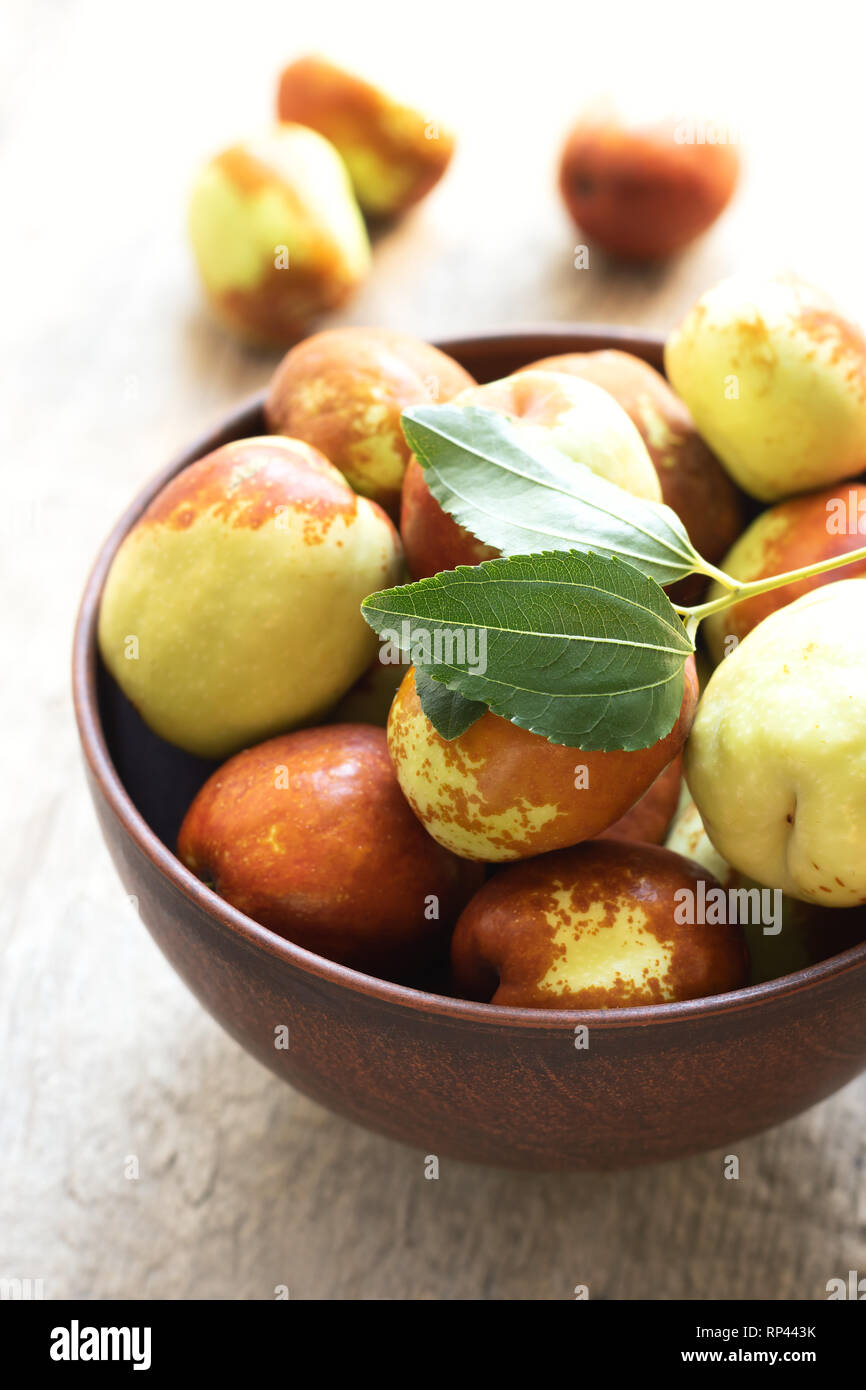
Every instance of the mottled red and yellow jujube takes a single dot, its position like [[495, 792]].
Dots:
[[498, 792], [232, 609], [598, 926]]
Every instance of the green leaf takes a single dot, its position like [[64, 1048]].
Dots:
[[450, 713], [528, 499], [582, 649]]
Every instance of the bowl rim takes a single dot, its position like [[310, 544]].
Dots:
[[236, 923]]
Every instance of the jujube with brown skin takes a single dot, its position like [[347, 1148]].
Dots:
[[432, 539], [649, 819], [344, 390], [693, 482], [638, 191], [309, 835], [499, 792], [394, 153], [594, 927], [799, 532]]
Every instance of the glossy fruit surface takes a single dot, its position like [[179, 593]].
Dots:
[[599, 926], [309, 835], [498, 792], [231, 610], [776, 760], [791, 535], [775, 378], [649, 819]]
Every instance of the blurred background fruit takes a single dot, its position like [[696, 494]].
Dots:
[[394, 153], [276, 233], [645, 191]]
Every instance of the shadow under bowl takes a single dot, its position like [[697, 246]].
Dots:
[[507, 1087]]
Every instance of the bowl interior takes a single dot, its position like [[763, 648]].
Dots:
[[161, 780]]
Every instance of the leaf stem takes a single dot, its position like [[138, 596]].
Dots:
[[716, 574], [738, 592]]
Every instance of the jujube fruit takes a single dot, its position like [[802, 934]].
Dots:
[[775, 378], [498, 792], [640, 191], [231, 610], [309, 835], [344, 390], [277, 235], [394, 153], [601, 926]]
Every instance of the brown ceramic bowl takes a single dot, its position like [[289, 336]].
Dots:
[[495, 1085]]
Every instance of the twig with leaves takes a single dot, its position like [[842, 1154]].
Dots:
[[583, 645]]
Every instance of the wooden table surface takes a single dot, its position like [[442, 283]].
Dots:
[[109, 365]]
